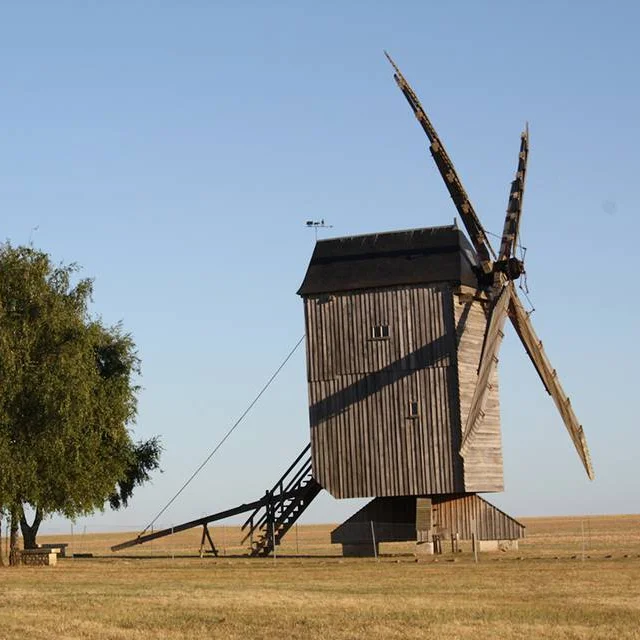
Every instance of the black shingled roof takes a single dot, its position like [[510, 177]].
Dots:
[[415, 256]]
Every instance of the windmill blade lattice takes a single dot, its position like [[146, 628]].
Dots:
[[533, 345], [451, 179], [514, 208]]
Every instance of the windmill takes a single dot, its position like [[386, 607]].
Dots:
[[403, 336], [403, 333]]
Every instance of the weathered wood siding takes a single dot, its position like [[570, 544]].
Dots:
[[483, 460], [364, 442], [459, 514]]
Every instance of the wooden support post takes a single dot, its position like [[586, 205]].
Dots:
[[270, 533], [373, 539], [474, 539], [207, 535], [273, 537]]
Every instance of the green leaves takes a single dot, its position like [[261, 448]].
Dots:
[[144, 457], [67, 395]]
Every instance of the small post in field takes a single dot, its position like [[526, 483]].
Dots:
[[474, 539], [273, 537], [373, 538]]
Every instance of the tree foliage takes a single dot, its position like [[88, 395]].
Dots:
[[67, 397]]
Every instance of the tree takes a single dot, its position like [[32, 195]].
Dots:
[[67, 397]]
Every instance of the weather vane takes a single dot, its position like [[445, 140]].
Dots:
[[318, 224]]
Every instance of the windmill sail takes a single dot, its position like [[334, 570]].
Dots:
[[533, 345], [447, 171], [500, 293], [514, 208], [503, 271], [488, 362]]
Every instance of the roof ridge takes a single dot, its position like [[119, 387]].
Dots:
[[446, 227]]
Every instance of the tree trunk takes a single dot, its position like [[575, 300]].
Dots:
[[30, 531], [13, 539]]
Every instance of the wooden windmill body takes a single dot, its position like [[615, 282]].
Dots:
[[403, 331], [393, 352]]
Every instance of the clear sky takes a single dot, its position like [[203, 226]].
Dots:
[[175, 150]]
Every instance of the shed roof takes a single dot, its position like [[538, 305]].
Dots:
[[414, 256]]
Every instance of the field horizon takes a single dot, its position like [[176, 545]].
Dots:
[[571, 578]]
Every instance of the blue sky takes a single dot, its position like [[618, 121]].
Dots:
[[175, 150]]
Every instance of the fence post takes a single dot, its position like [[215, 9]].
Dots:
[[474, 539], [373, 538], [273, 537]]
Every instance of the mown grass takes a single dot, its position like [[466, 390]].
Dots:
[[522, 594]]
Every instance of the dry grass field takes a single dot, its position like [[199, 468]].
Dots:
[[166, 591]]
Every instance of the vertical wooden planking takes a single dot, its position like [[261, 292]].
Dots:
[[456, 513], [363, 442], [483, 462], [354, 441]]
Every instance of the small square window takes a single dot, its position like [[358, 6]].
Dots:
[[414, 410], [380, 331]]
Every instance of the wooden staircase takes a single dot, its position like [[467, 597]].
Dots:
[[281, 506]]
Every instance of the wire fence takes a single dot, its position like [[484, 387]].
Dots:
[[552, 537]]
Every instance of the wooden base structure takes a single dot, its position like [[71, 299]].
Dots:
[[429, 521]]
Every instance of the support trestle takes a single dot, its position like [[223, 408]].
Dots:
[[272, 516], [206, 535]]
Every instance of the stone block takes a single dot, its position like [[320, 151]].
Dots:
[[508, 545], [424, 549], [497, 545]]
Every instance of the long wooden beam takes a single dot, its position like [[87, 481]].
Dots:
[[221, 515]]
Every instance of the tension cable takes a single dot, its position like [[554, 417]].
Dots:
[[229, 432]]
